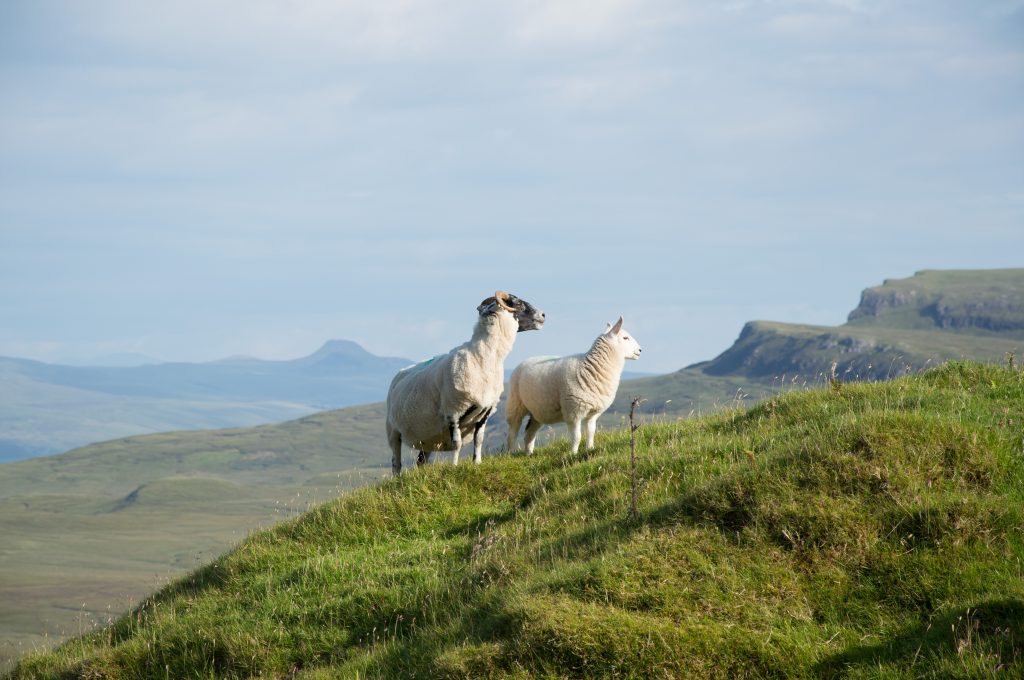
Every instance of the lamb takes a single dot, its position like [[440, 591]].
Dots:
[[433, 405], [572, 389]]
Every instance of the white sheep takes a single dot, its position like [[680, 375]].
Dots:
[[573, 390], [433, 405]]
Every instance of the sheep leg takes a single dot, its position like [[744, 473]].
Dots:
[[478, 436], [591, 429], [395, 440], [575, 429], [514, 414], [513, 434], [456, 435], [532, 428], [515, 420]]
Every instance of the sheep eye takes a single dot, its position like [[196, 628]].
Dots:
[[625, 337]]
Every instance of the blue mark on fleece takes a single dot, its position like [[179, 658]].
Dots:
[[423, 364]]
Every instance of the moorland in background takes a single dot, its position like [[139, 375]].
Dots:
[[49, 408]]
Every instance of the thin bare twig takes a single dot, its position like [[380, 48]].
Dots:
[[633, 427]]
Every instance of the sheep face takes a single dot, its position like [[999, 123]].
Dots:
[[624, 340], [527, 316]]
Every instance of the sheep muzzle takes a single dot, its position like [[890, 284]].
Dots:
[[527, 316]]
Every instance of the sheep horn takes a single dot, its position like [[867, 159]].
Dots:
[[501, 297]]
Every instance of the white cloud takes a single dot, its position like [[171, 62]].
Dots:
[[818, 26], [610, 89], [270, 30], [545, 23], [1005, 64], [1003, 9], [316, 33], [291, 152]]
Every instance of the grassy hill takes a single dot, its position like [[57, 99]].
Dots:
[[92, 531], [871, 530]]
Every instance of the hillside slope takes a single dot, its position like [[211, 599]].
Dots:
[[88, 532], [868, 530]]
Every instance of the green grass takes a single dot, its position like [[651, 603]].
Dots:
[[688, 392], [93, 531], [89, 533], [873, 530], [286, 453]]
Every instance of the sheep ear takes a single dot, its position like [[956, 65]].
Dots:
[[617, 327]]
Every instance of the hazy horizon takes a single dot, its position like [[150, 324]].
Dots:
[[192, 181]]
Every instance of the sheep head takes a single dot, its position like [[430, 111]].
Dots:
[[529, 317], [623, 339]]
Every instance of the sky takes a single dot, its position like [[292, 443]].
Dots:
[[198, 179]]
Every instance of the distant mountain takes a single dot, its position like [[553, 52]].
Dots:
[[975, 302], [902, 325], [339, 373], [47, 408]]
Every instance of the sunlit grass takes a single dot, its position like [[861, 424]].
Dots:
[[872, 530]]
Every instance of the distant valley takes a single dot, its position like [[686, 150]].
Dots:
[[48, 408]]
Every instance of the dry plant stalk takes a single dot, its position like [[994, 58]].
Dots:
[[633, 427], [833, 379]]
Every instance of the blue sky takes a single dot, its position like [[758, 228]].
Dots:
[[193, 180]]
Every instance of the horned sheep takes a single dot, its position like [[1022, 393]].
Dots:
[[574, 389], [433, 405]]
